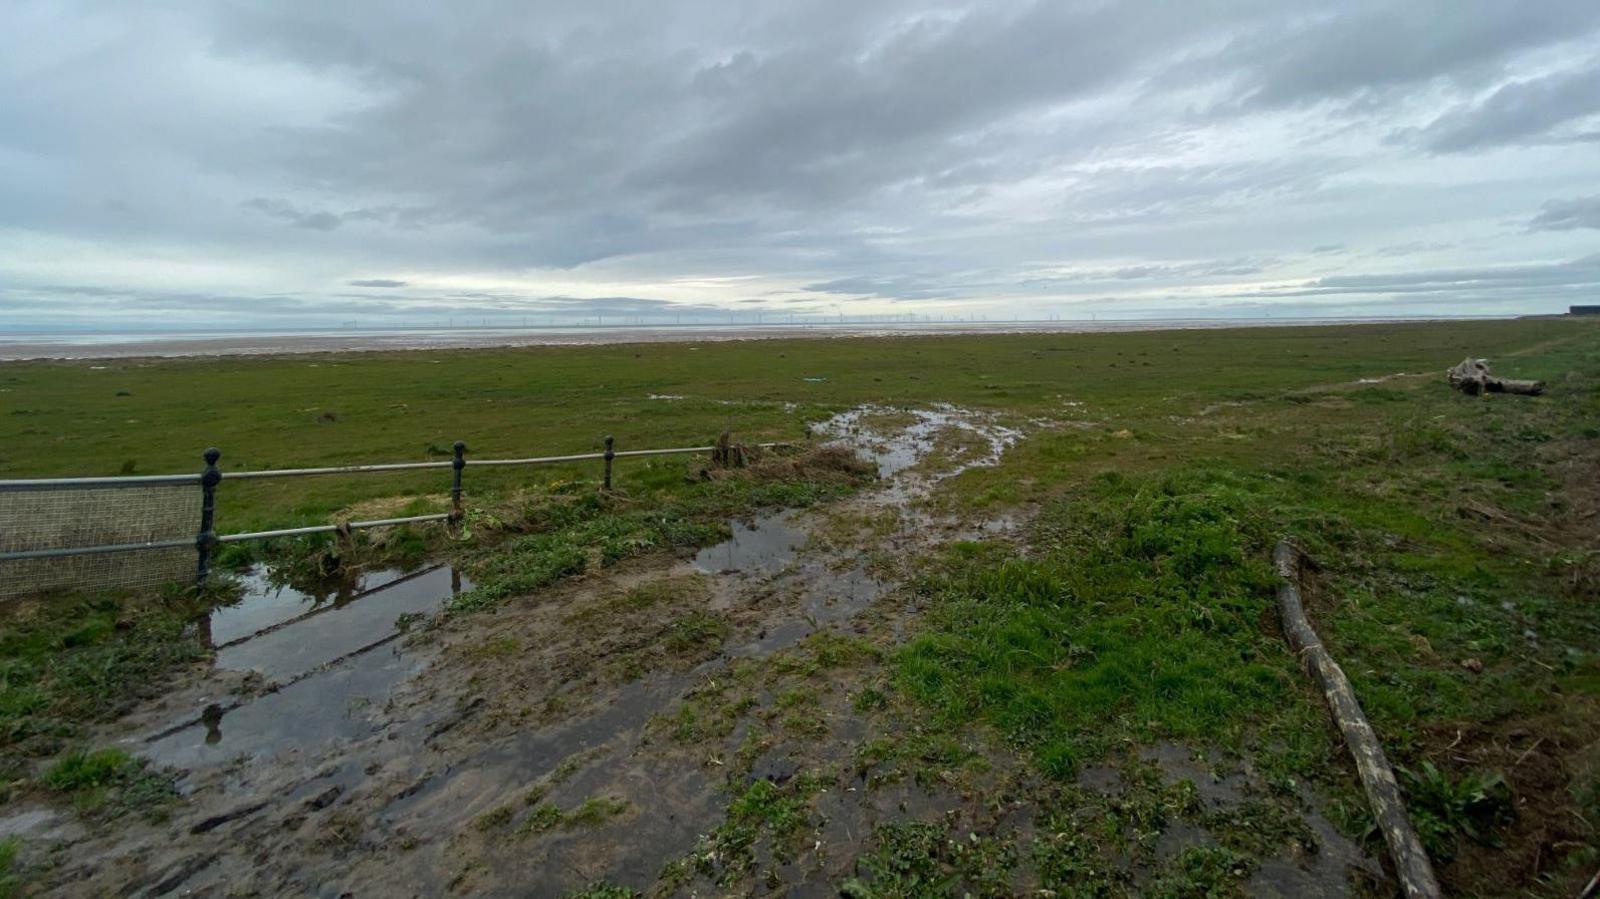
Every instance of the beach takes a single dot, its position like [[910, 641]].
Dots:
[[19, 346]]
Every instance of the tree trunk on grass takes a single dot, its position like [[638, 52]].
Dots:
[[1472, 377], [1383, 793]]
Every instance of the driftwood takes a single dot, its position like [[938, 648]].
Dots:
[[1383, 793], [1473, 377]]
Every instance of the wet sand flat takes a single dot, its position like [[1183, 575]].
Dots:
[[23, 346]]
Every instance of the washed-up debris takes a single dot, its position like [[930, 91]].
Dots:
[[1472, 377], [1411, 862]]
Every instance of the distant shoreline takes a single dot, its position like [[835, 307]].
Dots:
[[66, 346]]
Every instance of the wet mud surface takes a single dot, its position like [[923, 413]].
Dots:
[[350, 745]]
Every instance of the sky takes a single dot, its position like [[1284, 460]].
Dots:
[[237, 163]]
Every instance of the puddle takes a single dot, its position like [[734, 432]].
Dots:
[[325, 665], [1177, 762], [266, 604], [1322, 874], [669, 804], [330, 632], [831, 587], [825, 598], [1323, 871], [771, 543], [765, 546], [1381, 379], [338, 704], [38, 824], [896, 452]]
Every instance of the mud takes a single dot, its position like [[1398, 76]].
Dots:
[[765, 545], [1328, 865], [295, 671]]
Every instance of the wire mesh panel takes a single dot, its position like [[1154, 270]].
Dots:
[[41, 518]]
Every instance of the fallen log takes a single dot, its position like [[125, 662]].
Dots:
[[1377, 778], [1472, 377]]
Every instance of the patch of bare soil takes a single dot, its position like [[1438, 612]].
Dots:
[[1548, 763], [1551, 763]]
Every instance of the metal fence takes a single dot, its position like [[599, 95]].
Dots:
[[89, 533]]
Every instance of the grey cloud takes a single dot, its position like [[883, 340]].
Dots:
[[1166, 271], [1365, 49], [892, 287], [939, 151], [1412, 247], [315, 220], [500, 306], [1518, 112], [1582, 273], [1566, 215], [1130, 194]]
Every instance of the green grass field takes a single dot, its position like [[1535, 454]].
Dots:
[[1458, 567], [157, 416]]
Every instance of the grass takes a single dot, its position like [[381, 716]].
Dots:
[[1445, 810], [592, 812], [603, 891], [83, 418], [564, 532], [1203, 872], [67, 661], [1456, 587], [8, 874], [110, 782], [1140, 610], [911, 861]]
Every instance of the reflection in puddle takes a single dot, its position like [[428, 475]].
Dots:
[[764, 547], [332, 632], [320, 709], [322, 662], [266, 603]]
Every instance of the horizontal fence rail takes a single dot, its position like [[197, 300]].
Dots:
[[145, 480], [67, 531]]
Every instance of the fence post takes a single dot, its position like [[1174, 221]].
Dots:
[[207, 538], [610, 454], [460, 462]]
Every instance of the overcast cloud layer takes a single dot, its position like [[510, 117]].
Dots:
[[222, 164]]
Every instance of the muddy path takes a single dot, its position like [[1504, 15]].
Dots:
[[331, 751], [696, 726]]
